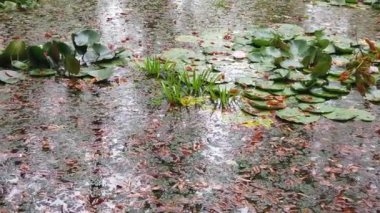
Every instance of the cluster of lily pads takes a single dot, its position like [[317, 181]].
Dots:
[[284, 69], [86, 57], [354, 3]]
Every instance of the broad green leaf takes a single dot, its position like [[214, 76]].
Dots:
[[10, 77], [72, 65], [16, 50], [317, 108], [341, 114], [262, 37], [64, 49], [297, 116], [322, 66]]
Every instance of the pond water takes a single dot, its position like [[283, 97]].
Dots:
[[70, 146]]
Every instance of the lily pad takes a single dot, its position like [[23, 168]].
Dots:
[[310, 99], [255, 94], [246, 107], [270, 86], [289, 31], [317, 108], [323, 93], [246, 81], [336, 87], [341, 114], [297, 116], [10, 77], [287, 92], [299, 87], [291, 64], [42, 72], [268, 105], [262, 36], [364, 115]]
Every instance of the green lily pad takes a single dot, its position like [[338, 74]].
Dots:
[[291, 64], [262, 67], [181, 55], [289, 31], [298, 76], [101, 75], [262, 36], [336, 87], [268, 105], [284, 73], [255, 94], [42, 72], [297, 116], [246, 107], [299, 87], [323, 93], [270, 86], [342, 45], [317, 108], [364, 115], [287, 92], [341, 114], [10, 77], [246, 81], [310, 99]]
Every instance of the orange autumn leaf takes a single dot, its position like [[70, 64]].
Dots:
[[344, 76]]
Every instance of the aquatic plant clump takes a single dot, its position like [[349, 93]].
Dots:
[[58, 58], [299, 75]]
